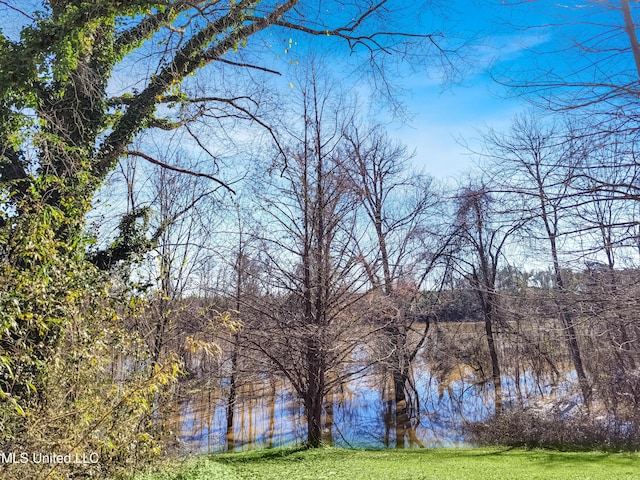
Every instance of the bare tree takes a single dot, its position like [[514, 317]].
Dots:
[[80, 81], [606, 219], [482, 235], [538, 163], [173, 213], [397, 251], [312, 278]]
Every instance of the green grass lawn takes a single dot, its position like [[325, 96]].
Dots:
[[441, 464]]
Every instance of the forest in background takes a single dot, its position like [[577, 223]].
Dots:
[[169, 216]]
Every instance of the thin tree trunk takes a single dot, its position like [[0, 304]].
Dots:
[[493, 354], [328, 419], [495, 373], [488, 301], [630, 28], [566, 319], [272, 414], [569, 328], [387, 413], [231, 404]]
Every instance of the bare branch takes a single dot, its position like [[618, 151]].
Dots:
[[162, 164], [16, 9]]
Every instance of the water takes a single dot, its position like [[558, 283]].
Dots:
[[357, 414]]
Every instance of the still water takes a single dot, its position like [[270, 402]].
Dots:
[[359, 413]]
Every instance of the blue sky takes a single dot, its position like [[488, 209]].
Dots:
[[514, 41], [447, 117], [511, 39], [444, 113], [445, 110]]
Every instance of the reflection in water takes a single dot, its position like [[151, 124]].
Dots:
[[360, 413]]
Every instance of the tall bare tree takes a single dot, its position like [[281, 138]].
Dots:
[[312, 279], [397, 249], [483, 233], [539, 163]]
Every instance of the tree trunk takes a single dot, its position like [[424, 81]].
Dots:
[[327, 436], [314, 395], [313, 414], [401, 414], [630, 28], [496, 375], [550, 223], [399, 374], [487, 301], [231, 404], [569, 328], [387, 413], [272, 414]]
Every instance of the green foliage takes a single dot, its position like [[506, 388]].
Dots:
[[440, 464], [60, 136], [58, 141], [63, 346], [39, 292], [130, 244], [92, 390], [192, 469]]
